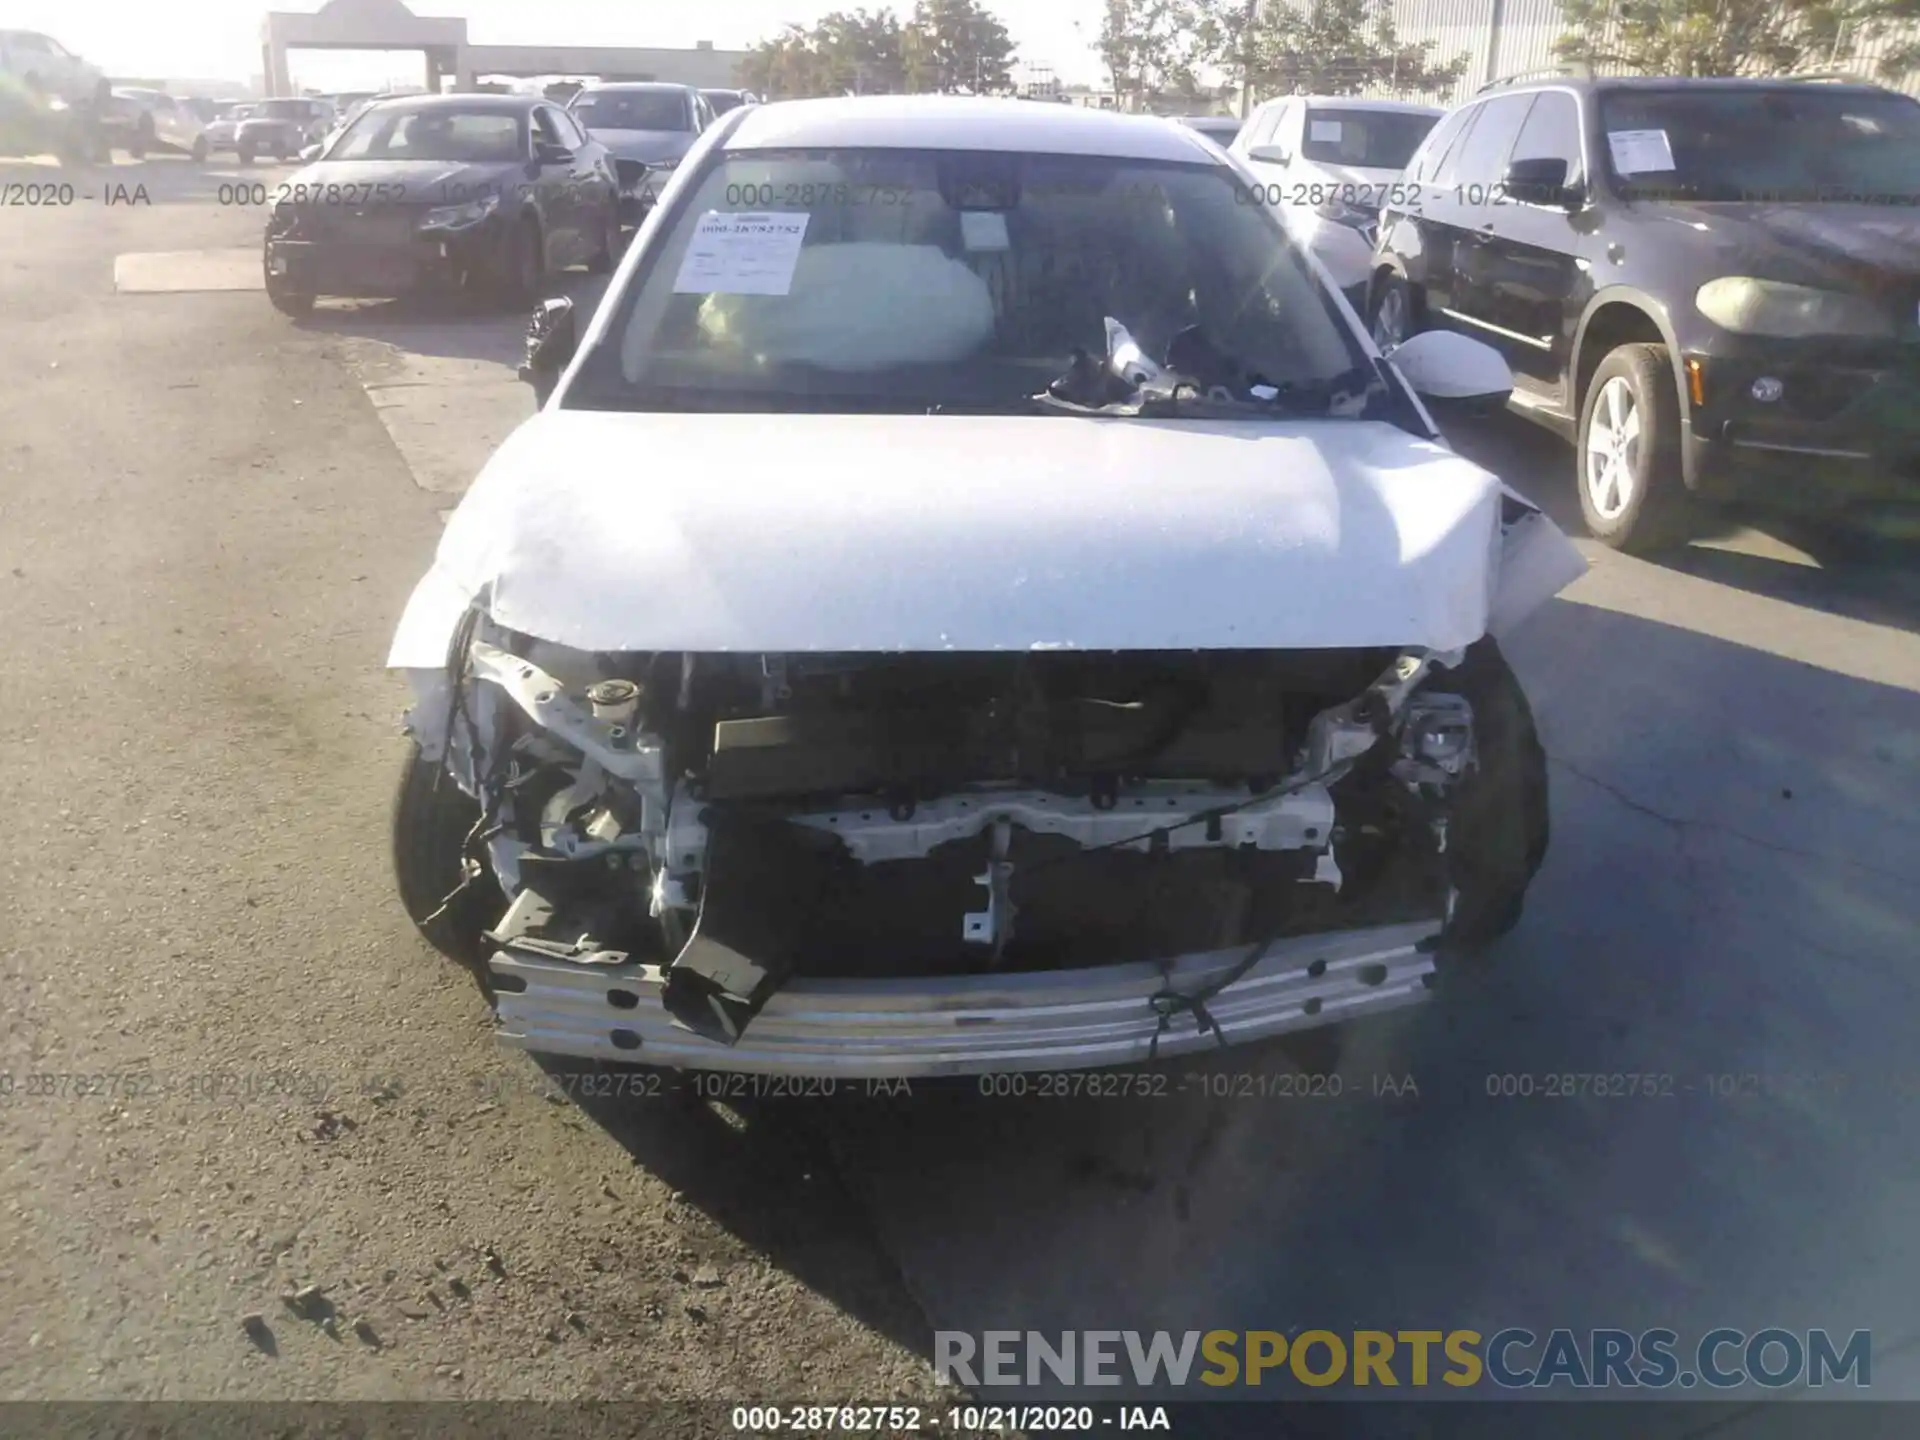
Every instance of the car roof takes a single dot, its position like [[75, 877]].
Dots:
[[961, 122], [1683, 82], [514, 104], [1361, 102], [638, 87]]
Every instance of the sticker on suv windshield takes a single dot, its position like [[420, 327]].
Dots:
[[742, 254], [984, 230], [1324, 132], [1640, 152]]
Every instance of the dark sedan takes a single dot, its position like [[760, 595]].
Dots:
[[648, 128], [477, 192]]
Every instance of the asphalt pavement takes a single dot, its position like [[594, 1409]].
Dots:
[[209, 519]]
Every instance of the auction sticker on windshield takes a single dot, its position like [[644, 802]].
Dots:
[[736, 254], [1324, 132], [1640, 152], [984, 230]]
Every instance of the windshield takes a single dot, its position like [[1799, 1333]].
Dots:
[[721, 101], [633, 110], [283, 110], [912, 279], [1801, 144], [1364, 139], [473, 137]]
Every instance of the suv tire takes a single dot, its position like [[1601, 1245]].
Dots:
[[1627, 453]]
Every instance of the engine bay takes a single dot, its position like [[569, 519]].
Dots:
[[740, 819]]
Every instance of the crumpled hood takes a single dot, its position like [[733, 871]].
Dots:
[[655, 147], [806, 532]]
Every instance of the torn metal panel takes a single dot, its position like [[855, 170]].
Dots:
[[1535, 561]]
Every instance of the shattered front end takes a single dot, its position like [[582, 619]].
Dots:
[[885, 865]]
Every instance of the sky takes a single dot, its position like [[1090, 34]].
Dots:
[[220, 39]]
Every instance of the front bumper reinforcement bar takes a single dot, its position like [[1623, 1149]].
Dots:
[[968, 1025]]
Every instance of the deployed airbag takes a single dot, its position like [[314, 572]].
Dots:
[[843, 310]]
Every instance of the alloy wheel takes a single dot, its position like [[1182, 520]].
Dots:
[[1613, 449]]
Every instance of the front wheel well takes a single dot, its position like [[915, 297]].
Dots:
[[1611, 326]]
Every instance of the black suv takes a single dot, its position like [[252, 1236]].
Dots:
[[1712, 287]]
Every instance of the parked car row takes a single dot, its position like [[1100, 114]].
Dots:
[[1711, 287], [488, 192]]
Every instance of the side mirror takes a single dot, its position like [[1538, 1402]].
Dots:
[[1454, 375], [1538, 182], [311, 153], [553, 335], [1269, 155], [553, 154]]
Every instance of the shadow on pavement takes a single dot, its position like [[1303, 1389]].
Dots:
[[1866, 576], [1858, 571], [452, 324], [759, 1167]]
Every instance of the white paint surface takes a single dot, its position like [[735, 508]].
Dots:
[[608, 531]]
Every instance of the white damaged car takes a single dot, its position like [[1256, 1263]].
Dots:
[[973, 599]]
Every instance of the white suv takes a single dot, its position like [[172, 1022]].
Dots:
[[1328, 164]]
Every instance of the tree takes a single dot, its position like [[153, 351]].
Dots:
[[1322, 47], [850, 50], [957, 47], [864, 51], [784, 66], [1152, 46], [954, 46], [1228, 35], [1733, 37]]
